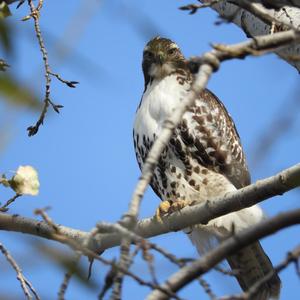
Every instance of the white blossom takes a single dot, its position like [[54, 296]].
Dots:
[[25, 181]]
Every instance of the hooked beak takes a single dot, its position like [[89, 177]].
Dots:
[[160, 58]]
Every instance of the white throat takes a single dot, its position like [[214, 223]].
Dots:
[[160, 99], [160, 71]]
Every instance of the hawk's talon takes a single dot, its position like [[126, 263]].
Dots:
[[168, 206], [163, 209]]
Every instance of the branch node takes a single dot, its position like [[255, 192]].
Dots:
[[212, 60]]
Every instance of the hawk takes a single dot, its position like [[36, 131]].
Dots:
[[203, 160]]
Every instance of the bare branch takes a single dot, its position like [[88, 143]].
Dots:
[[207, 288], [255, 21], [278, 3], [67, 278], [193, 8], [109, 280], [188, 216], [124, 263], [149, 227], [32, 130], [35, 14], [4, 207], [264, 14], [238, 241], [23, 281], [292, 257], [58, 234]]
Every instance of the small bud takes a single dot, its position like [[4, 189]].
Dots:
[[26, 18], [56, 108], [4, 181]]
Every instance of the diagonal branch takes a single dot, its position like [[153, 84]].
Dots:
[[254, 19], [203, 213], [149, 227], [291, 257], [25, 284], [238, 241]]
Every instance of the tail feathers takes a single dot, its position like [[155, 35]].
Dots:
[[253, 264]]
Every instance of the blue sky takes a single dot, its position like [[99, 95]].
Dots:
[[85, 154]]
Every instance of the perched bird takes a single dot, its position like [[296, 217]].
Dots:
[[204, 159]]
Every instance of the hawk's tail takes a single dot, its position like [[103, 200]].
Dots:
[[253, 264]]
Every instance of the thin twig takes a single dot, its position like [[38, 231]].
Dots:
[[23, 281], [4, 208], [32, 130], [229, 246], [108, 282], [124, 263], [110, 277], [149, 258], [47, 219], [35, 14], [60, 235], [145, 246], [112, 263], [71, 84], [227, 272], [67, 278], [207, 289], [193, 8], [291, 257]]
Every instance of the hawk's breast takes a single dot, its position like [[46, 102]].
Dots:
[[204, 159]]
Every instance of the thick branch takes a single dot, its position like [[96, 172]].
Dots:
[[188, 216], [39, 228], [240, 240], [254, 19]]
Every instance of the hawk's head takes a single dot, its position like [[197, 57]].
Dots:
[[161, 58]]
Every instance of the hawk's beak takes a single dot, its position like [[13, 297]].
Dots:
[[160, 58]]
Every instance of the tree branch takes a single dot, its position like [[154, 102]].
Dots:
[[149, 227], [255, 21], [25, 284], [228, 247], [291, 257]]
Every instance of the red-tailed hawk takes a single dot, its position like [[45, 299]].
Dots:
[[203, 161]]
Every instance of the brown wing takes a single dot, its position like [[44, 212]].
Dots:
[[210, 137]]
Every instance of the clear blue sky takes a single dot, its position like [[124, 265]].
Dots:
[[85, 155]]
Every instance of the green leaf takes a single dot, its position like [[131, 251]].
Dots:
[[15, 93]]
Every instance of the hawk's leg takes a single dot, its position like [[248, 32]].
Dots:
[[168, 206]]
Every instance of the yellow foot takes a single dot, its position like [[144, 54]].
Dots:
[[169, 206]]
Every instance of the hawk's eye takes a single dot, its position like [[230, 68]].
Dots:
[[148, 54], [172, 51]]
